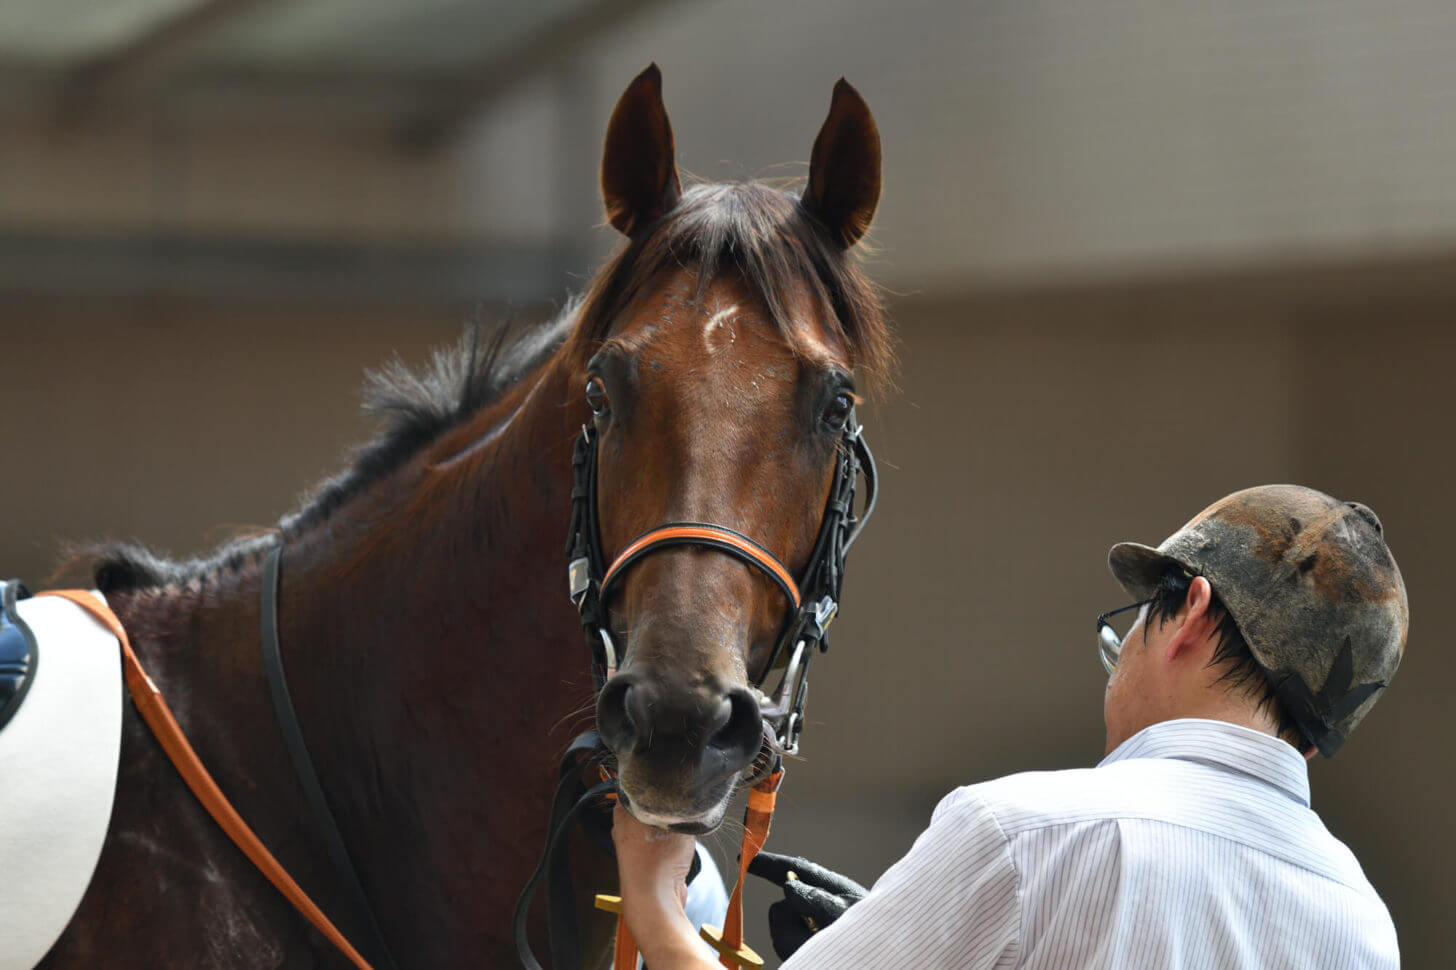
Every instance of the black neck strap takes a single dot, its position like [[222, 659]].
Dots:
[[325, 825]]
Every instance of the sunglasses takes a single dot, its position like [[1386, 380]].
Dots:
[[1111, 635]]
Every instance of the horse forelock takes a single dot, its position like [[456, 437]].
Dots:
[[764, 234]]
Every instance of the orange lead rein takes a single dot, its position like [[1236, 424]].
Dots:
[[757, 817], [158, 715]]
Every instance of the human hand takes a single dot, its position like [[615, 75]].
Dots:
[[814, 897], [652, 870]]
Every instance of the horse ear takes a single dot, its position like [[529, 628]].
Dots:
[[639, 170], [844, 171]]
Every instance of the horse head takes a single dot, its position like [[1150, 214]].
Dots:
[[719, 354]]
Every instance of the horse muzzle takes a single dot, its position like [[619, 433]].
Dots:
[[680, 751]]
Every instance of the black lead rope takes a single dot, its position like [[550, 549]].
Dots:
[[326, 826], [565, 807]]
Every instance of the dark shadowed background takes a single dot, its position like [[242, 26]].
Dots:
[[1138, 257]]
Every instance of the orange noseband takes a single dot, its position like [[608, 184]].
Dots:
[[714, 537]]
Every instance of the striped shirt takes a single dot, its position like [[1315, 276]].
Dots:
[[1191, 845]]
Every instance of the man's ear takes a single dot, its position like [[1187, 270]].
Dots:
[[1196, 623]]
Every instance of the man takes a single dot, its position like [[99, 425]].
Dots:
[[1262, 631]]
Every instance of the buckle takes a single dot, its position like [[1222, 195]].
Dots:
[[609, 653], [780, 718], [790, 741], [824, 613], [578, 579]]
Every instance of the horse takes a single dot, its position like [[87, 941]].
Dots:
[[436, 669]]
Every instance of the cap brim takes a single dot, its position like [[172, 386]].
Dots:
[[1139, 568]]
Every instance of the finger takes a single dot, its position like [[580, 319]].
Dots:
[[817, 904], [815, 875], [772, 866], [787, 929]]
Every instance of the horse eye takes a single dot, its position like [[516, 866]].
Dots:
[[596, 395], [838, 411]]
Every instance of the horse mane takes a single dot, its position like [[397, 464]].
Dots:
[[754, 229], [415, 409]]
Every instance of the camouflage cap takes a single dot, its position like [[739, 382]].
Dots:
[[1312, 587]]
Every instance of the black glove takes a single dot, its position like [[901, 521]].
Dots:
[[814, 897]]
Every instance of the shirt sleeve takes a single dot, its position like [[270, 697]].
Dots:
[[950, 902]]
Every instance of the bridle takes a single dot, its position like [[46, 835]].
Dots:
[[813, 599]]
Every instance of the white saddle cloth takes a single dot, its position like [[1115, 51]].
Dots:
[[58, 762]]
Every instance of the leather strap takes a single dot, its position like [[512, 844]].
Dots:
[[325, 825], [562, 931], [624, 950], [714, 536], [557, 833], [154, 710], [757, 817]]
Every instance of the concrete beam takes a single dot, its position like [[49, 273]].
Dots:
[[546, 48], [115, 71], [456, 274]]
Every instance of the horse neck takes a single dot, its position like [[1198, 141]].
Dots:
[[433, 656], [413, 578]]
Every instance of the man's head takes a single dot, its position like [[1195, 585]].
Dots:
[[1277, 607], [1185, 657]]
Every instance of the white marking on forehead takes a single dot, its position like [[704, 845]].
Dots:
[[715, 321]]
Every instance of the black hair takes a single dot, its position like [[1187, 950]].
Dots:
[[1240, 670]]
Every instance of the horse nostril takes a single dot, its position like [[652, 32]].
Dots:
[[720, 717], [739, 727], [615, 721]]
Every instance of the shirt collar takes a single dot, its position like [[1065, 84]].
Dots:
[[1225, 745]]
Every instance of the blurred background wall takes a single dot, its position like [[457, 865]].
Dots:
[[1139, 254]]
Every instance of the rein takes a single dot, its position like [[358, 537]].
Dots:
[[325, 825], [813, 602]]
